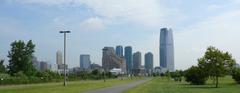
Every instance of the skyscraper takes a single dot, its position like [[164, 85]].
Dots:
[[36, 63], [110, 60], [137, 60], [59, 58], [85, 62], [166, 50], [148, 62], [43, 66], [119, 51], [128, 57]]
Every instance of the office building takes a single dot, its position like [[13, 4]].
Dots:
[[128, 57], [59, 58], [166, 49], [36, 63], [110, 60], [44, 66], [85, 62], [137, 60], [119, 51], [148, 58]]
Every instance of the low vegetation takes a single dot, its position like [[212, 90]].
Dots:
[[72, 87], [166, 85]]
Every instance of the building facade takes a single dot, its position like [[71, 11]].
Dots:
[[119, 51], [59, 58], [128, 57], [85, 62], [148, 59], [36, 63], [137, 60], [44, 66], [166, 49], [110, 60]]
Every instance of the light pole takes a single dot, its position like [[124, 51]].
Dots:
[[64, 68]]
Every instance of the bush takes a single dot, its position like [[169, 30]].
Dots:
[[176, 75], [21, 78], [195, 76], [236, 75]]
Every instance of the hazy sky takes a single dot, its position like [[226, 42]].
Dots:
[[196, 24]]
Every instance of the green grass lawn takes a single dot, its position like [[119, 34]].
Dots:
[[72, 87], [164, 85]]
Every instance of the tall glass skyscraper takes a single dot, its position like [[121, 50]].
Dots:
[[128, 57], [137, 60], [166, 50], [119, 51], [148, 62], [85, 62]]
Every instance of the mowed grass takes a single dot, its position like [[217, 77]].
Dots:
[[164, 85], [72, 87]]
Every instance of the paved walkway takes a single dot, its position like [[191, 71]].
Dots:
[[119, 88]]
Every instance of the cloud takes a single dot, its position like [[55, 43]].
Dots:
[[221, 31], [45, 2], [93, 23], [143, 12]]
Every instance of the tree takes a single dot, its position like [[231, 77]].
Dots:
[[195, 75], [2, 67], [20, 57], [236, 75], [216, 63]]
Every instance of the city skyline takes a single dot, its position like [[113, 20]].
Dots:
[[96, 24]]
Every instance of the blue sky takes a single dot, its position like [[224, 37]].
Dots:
[[196, 25]]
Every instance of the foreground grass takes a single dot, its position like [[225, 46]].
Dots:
[[72, 87], [164, 85]]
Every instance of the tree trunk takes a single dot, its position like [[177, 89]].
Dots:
[[216, 81]]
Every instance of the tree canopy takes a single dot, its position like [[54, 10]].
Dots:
[[216, 63], [20, 57]]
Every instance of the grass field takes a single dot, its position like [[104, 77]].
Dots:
[[163, 85], [72, 87]]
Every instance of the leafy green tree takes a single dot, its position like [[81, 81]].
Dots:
[[216, 63], [195, 75], [20, 57], [236, 75], [2, 67]]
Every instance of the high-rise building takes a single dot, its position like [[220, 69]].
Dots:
[[110, 60], [119, 51], [137, 60], [128, 57], [44, 66], [59, 58], [36, 63], [166, 50], [85, 62], [149, 62]]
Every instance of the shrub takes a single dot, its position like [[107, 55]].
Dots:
[[195, 76], [236, 75], [176, 75]]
